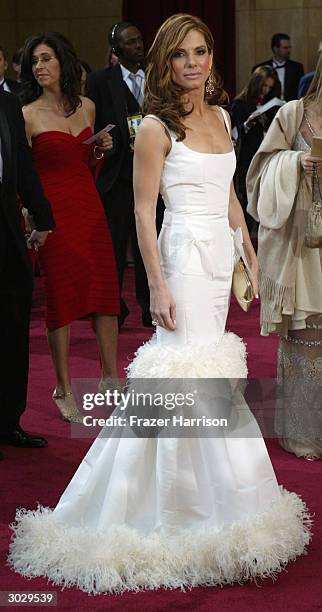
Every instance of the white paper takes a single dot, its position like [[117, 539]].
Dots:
[[265, 107], [93, 138]]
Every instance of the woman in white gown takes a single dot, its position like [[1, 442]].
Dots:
[[174, 512]]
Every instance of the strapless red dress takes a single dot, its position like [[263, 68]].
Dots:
[[78, 259]]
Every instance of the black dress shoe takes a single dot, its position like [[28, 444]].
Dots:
[[146, 318], [18, 437]]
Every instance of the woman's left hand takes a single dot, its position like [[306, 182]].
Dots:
[[104, 142]]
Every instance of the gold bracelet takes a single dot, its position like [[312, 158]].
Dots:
[[101, 155]]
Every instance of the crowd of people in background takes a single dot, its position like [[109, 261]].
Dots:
[[65, 102]]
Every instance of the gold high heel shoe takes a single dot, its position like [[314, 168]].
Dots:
[[110, 384], [66, 405]]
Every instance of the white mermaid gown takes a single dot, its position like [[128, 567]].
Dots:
[[146, 513]]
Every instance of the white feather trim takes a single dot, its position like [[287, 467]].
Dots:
[[224, 360], [124, 560]]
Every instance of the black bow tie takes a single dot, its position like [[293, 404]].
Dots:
[[278, 66]]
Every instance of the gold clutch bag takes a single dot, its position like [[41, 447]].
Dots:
[[241, 286]]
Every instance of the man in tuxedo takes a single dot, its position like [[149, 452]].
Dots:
[[288, 71], [118, 95], [7, 84], [17, 175]]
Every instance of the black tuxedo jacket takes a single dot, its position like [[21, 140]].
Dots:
[[18, 177], [106, 89], [14, 86], [293, 73]]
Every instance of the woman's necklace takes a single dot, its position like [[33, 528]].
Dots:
[[309, 126]]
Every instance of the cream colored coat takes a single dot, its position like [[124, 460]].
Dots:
[[279, 196]]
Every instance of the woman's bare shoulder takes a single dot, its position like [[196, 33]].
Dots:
[[87, 103], [219, 111], [152, 124], [153, 133], [30, 110], [88, 109]]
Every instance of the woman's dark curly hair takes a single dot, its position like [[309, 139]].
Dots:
[[163, 97], [70, 70]]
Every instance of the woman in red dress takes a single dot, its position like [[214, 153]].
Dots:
[[77, 261]]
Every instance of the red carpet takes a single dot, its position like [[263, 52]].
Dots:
[[29, 476]]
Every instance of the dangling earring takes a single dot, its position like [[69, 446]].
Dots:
[[210, 87]]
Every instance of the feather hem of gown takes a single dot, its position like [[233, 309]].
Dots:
[[227, 359], [122, 559]]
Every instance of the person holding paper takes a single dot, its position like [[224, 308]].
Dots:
[[77, 260], [279, 184], [249, 127]]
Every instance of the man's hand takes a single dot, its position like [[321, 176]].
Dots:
[[37, 239]]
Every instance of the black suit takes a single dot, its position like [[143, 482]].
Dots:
[[293, 73], [14, 86], [18, 176], [114, 102]]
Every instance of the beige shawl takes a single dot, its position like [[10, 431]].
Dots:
[[279, 196]]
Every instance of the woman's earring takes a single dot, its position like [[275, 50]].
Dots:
[[210, 87]]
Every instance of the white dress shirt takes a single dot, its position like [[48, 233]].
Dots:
[[5, 85], [280, 69], [139, 75]]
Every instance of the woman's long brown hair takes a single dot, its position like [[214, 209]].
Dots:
[[163, 97], [252, 90], [314, 94]]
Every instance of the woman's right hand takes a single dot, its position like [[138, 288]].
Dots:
[[307, 163], [163, 308], [104, 142], [250, 121]]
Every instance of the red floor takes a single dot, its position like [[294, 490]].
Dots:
[[29, 476]]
